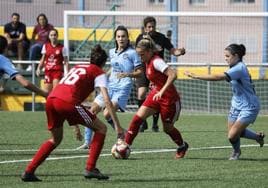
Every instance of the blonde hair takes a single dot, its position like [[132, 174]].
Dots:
[[147, 43]]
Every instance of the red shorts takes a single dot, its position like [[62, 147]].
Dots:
[[58, 111], [169, 111], [52, 75]]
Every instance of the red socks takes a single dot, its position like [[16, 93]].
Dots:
[[175, 135], [45, 149], [95, 150], [133, 129]]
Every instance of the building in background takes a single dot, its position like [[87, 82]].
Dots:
[[203, 37]]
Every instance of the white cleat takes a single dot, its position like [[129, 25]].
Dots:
[[235, 155], [84, 146]]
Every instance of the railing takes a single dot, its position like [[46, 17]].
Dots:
[[197, 96]]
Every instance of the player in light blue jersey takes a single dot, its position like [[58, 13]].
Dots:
[[245, 104], [7, 70], [125, 65]]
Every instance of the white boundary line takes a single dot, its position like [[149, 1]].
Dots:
[[133, 152]]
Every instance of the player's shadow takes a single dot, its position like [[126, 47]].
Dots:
[[225, 159], [14, 144], [66, 177], [203, 131], [163, 180]]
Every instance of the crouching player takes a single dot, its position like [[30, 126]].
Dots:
[[64, 103]]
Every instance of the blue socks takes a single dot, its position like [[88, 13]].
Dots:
[[88, 135], [235, 144], [249, 134], [110, 121]]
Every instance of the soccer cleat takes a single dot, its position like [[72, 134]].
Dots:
[[29, 68], [235, 155], [155, 128], [261, 139], [29, 177], [95, 173], [181, 151], [83, 146]]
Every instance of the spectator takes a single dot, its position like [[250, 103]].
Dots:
[[15, 33], [39, 37]]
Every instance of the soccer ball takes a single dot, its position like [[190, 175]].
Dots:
[[120, 150]]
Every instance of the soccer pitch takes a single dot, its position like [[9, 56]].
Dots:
[[151, 163]]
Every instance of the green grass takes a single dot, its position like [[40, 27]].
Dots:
[[200, 167]]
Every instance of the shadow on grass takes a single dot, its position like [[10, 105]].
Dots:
[[15, 144], [162, 180], [44, 175], [224, 159], [203, 131]]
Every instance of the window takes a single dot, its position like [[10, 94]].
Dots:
[[242, 1], [63, 1], [23, 1], [112, 2], [197, 1], [157, 1]]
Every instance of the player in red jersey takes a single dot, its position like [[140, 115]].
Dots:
[[54, 57], [64, 103], [162, 98]]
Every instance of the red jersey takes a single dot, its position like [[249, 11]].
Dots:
[[76, 86], [159, 79], [54, 56]]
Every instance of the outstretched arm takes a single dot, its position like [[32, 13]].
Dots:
[[207, 77], [30, 86]]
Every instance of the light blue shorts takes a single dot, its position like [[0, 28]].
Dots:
[[244, 116], [119, 97]]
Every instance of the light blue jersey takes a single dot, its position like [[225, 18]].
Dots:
[[119, 89], [126, 61], [244, 96], [7, 69]]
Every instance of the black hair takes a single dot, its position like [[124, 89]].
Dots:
[[3, 44], [98, 56], [15, 14], [41, 15], [149, 19], [121, 28], [238, 49]]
